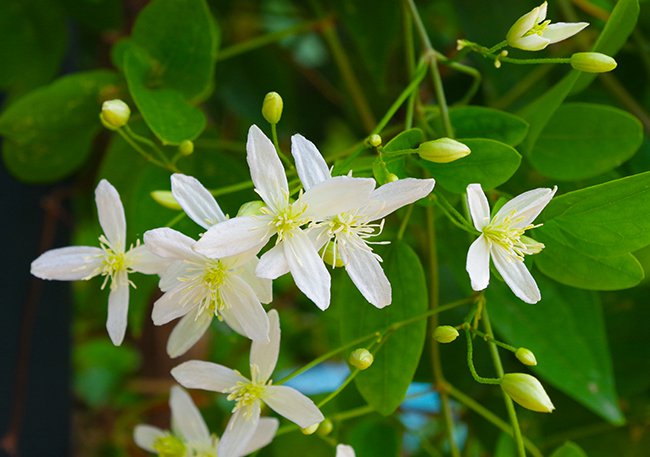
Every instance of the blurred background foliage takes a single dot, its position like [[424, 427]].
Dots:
[[319, 55]]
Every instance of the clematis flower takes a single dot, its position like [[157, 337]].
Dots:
[[110, 259], [199, 288], [344, 450], [348, 232], [502, 238], [249, 394], [285, 218], [190, 435], [531, 32]]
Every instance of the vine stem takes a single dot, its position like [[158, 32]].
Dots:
[[470, 363], [283, 157], [142, 152]]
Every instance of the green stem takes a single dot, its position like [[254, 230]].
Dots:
[[284, 158], [144, 140], [343, 385], [498, 47], [232, 188], [470, 363], [453, 219], [489, 339], [453, 213], [176, 219], [141, 151], [410, 62], [404, 224], [542, 60]]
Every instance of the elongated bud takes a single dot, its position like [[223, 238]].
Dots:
[[115, 114], [186, 147], [374, 140], [443, 150], [331, 256], [272, 107], [392, 177], [309, 430], [592, 62], [166, 199], [527, 391], [253, 208], [445, 334], [325, 427], [361, 358], [526, 357]]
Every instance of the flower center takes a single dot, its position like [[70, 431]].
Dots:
[[288, 219], [538, 29], [511, 238], [214, 275], [169, 446], [357, 233], [114, 261], [245, 394]]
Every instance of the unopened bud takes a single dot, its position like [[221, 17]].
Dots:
[[392, 177], [527, 391], [592, 62], [443, 150], [361, 358], [526, 357], [253, 208], [310, 430], [272, 108], [374, 140], [166, 199], [115, 114], [445, 334], [331, 256], [325, 427], [186, 147]]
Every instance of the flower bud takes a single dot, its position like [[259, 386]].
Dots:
[[186, 147], [325, 427], [310, 430], [331, 256], [361, 358], [443, 150], [115, 114], [374, 140], [166, 199], [392, 177], [592, 62], [272, 108], [527, 391], [253, 208], [445, 334], [526, 357]]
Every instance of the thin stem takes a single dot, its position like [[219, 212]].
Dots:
[[488, 338], [510, 407], [543, 60], [404, 224], [232, 188], [498, 47], [343, 385], [470, 363], [452, 218], [176, 219], [161, 155], [454, 213], [284, 158], [410, 62], [141, 151]]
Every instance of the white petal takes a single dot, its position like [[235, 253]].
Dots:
[[175, 303], [170, 244], [186, 418], [263, 287], [479, 208], [293, 405], [392, 196], [273, 263], [337, 195], [169, 279], [541, 14], [307, 268], [68, 264], [235, 236], [524, 208], [523, 25], [562, 30], [246, 308], [239, 431], [343, 450], [266, 169], [366, 272], [111, 214], [142, 260], [188, 331], [145, 435], [197, 374], [118, 308], [312, 168], [516, 275], [532, 42], [196, 200], [264, 354], [263, 435], [478, 263]]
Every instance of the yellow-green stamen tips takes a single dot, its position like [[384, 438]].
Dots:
[[114, 114], [169, 446], [592, 62], [526, 357], [166, 199], [443, 150], [245, 394], [272, 108], [445, 334], [361, 358], [186, 147], [527, 391]]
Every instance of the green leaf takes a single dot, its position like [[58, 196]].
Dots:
[[375, 437], [481, 122], [171, 118], [384, 384], [570, 148], [566, 332], [491, 164], [48, 132], [408, 139], [569, 449]]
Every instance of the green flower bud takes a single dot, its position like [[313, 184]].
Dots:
[[186, 147], [253, 208], [443, 150], [331, 256], [166, 199], [445, 334], [527, 391], [325, 427], [374, 140], [115, 114], [392, 177], [272, 107], [361, 358], [309, 430], [169, 446], [592, 62], [526, 357]]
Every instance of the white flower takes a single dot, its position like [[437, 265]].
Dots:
[[532, 33], [285, 218], [343, 450], [199, 288], [502, 238], [249, 394], [349, 231], [110, 259], [190, 435]]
